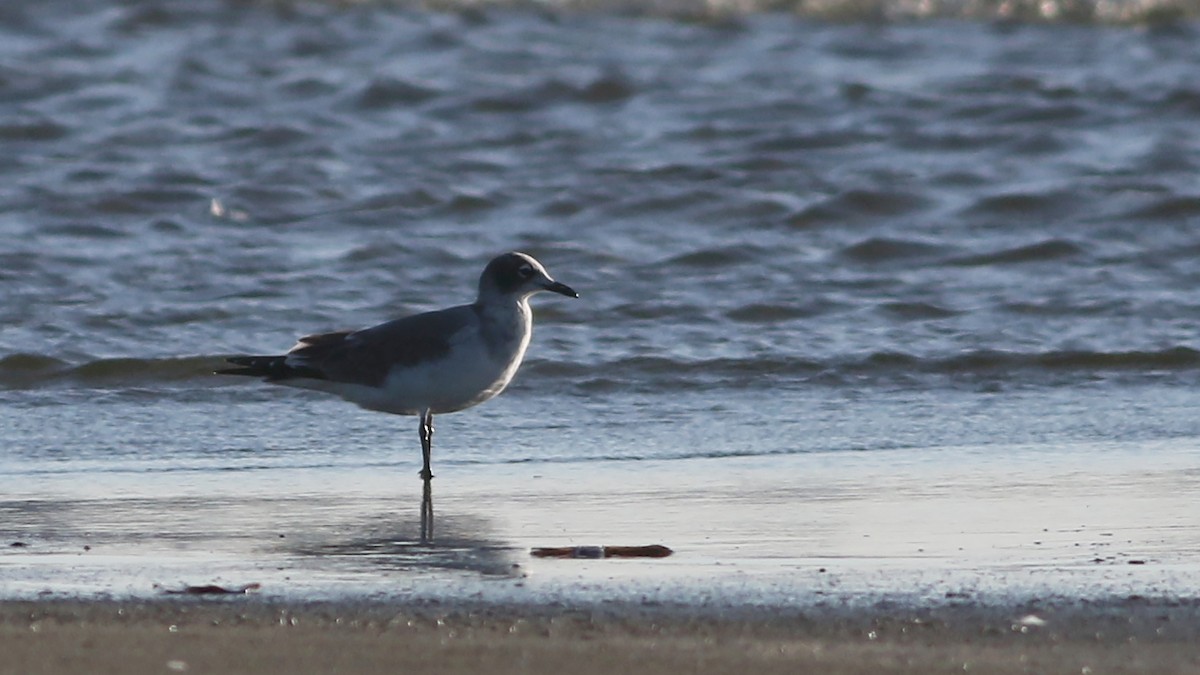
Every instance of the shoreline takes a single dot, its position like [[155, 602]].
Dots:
[[747, 530], [879, 563], [249, 634]]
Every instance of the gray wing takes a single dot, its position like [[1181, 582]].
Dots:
[[366, 356]]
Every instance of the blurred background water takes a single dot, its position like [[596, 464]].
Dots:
[[941, 228]]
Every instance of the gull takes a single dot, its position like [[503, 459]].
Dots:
[[425, 364]]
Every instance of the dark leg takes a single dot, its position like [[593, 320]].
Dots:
[[426, 443], [427, 514]]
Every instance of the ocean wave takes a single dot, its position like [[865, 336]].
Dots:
[[992, 361], [774, 313], [35, 371], [647, 373], [717, 257], [137, 17], [1025, 204], [390, 92], [610, 88], [918, 311], [662, 373], [1043, 251], [1116, 12], [882, 249], [858, 205], [1172, 208]]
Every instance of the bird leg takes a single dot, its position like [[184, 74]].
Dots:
[[426, 443], [427, 514]]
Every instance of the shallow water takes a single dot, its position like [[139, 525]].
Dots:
[[800, 530], [798, 244]]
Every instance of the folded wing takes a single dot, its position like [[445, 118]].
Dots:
[[363, 356]]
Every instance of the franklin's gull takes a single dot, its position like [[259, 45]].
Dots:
[[436, 362]]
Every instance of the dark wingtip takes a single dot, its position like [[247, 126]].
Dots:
[[254, 366], [272, 368]]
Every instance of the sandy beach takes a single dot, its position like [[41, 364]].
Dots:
[[918, 569], [244, 635]]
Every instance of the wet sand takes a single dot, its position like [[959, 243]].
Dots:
[[244, 635], [1020, 562], [797, 530]]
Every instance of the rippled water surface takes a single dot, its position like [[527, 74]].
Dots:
[[790, 236]]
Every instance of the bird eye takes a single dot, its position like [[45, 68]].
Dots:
[[525, 271]]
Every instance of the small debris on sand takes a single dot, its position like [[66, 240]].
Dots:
[[212, 589], [652, 551]]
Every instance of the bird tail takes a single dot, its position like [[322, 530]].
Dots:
[[270, 367]]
